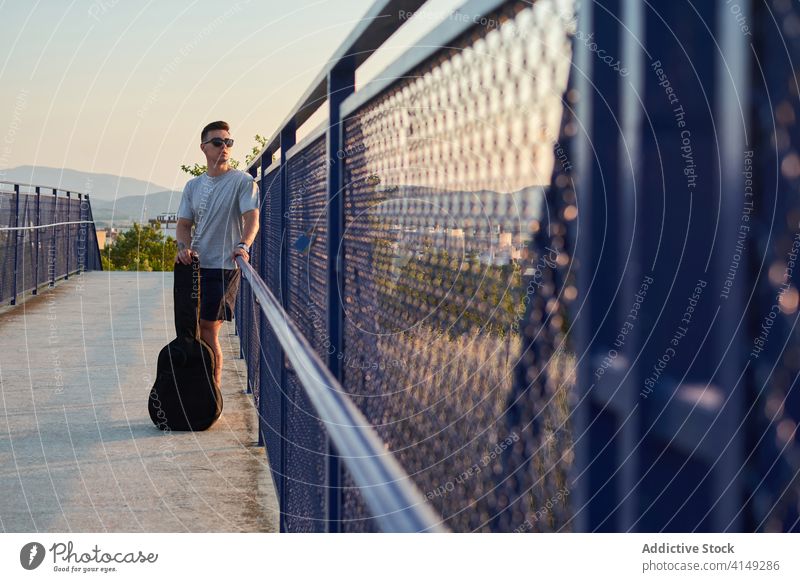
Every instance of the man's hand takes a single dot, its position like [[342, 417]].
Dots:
[[240, 252], [184, 256], [183, 234]]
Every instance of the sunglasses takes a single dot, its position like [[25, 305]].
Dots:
[[219, 142]]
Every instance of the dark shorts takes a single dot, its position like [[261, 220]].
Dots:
[[218, 290]]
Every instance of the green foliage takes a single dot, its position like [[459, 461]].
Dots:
[[198, 169], [261, 143], [105, 259], [194, 170], [141, 248]]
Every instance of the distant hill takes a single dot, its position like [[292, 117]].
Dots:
[[124, 211], [98, 186], [116, 200]]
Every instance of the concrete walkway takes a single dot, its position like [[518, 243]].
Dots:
[[78, 452]]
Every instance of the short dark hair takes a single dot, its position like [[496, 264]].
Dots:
[[213, 126]]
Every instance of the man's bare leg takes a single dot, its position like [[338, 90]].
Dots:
[[209, 332]]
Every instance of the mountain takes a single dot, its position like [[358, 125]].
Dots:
[[98, 186], [124, 211], [116, 200]]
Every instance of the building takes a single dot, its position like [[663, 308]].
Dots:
[[168, 222], [107, 237]]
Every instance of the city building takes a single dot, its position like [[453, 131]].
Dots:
[[168, 222]]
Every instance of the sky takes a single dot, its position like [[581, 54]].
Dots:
[[124, 87]]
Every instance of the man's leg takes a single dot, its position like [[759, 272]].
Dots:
[[209, 331]]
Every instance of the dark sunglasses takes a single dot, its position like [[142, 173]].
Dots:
[[219, 142]]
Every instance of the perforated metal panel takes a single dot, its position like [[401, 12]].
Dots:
[[251, 311], [444, 200], [307, 444], [62, 234], [43, 254], [459, 277], [47, 236], [357, 516], [25, 238], [8, 242], [271, 355], [307, 242], [74, 213]]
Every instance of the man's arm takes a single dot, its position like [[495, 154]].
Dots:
[[249, 233], [183, 234]]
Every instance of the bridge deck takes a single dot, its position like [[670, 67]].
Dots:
[[78, 451]]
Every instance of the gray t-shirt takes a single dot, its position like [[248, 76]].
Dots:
[[216, 206]]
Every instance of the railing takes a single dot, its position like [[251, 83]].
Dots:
[[396, 503], [47, 234], [493, 248], [353, 292]]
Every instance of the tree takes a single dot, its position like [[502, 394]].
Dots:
[[141, 248]]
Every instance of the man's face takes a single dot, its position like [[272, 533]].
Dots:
[[216, 155]]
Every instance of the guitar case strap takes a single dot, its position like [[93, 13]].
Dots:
[[186, 299], [186, 286]]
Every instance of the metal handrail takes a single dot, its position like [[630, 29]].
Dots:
[[378, 24], [49, 225], [395, 502], [53, 188]]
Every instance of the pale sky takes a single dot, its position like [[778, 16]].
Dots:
[[124, 87]]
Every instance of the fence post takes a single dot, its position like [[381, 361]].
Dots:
[[16, 243], [597, 492], [69, 235], [341, 83], [629, 153], [54, 241], [288, 139], [36, 242], [81, 257]]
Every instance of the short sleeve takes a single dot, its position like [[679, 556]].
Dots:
[[185, 207], [248, 196]]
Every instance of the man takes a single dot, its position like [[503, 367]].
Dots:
[[222, 204]]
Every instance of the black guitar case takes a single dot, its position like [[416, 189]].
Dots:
[[185, 395]]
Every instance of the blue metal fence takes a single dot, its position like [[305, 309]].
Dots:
[[46, 234], [395, 503], [549, 257]]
